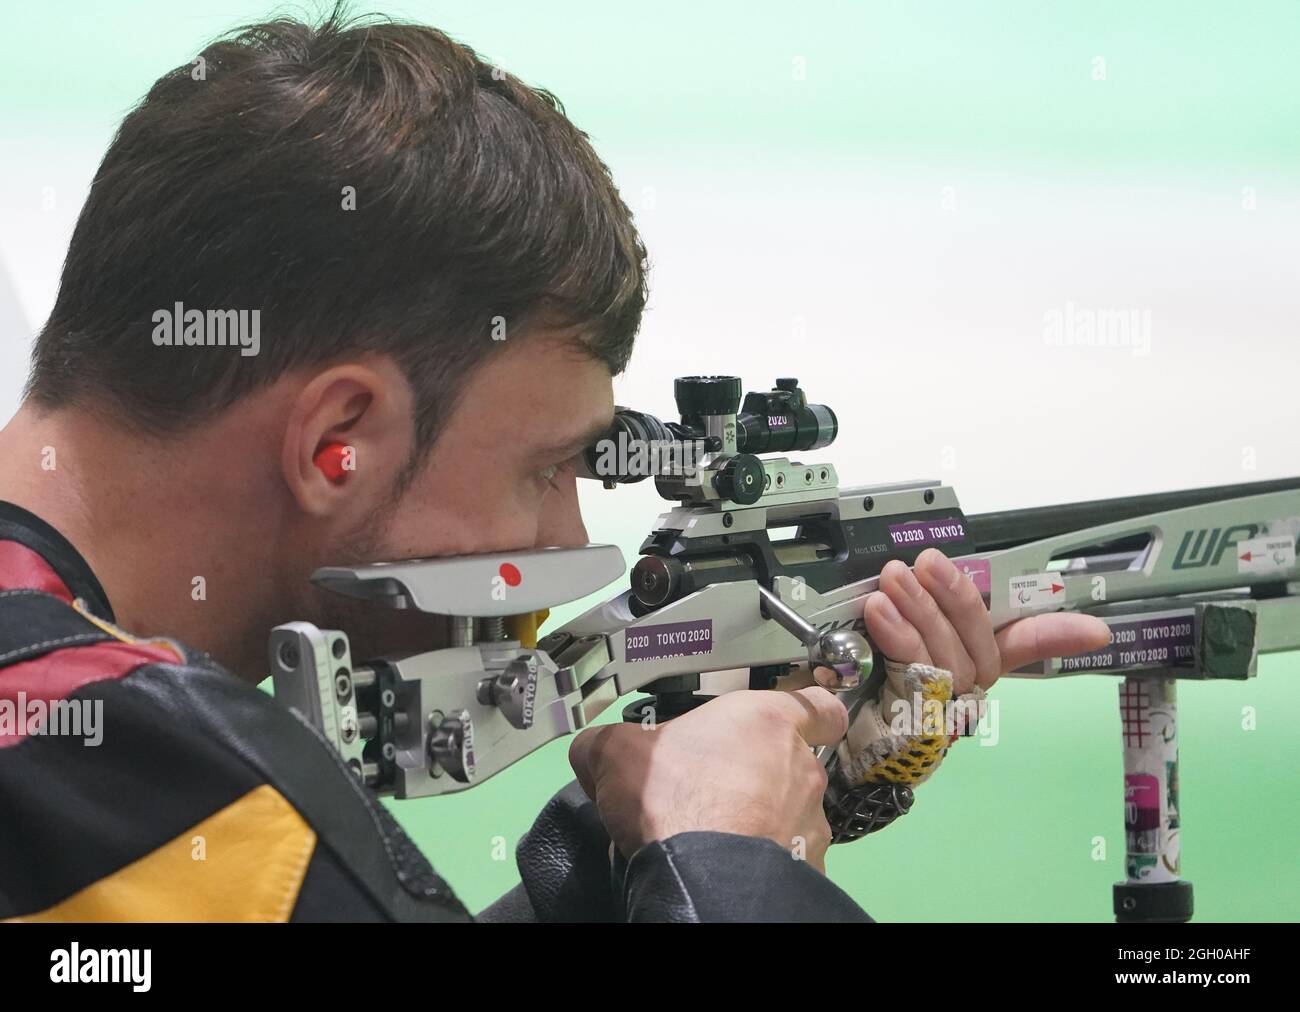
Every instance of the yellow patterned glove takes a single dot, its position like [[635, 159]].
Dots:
[[899, 737], [895, 742]]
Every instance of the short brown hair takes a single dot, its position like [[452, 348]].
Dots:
[[476, 202]]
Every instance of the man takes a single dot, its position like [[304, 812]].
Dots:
[[355, 234]]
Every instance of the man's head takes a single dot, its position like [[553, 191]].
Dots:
[[441, 274]]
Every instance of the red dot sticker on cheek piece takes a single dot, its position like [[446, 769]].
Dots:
[[510, 573]]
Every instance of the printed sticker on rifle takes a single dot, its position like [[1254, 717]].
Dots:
[[927, 532], [1270, 554], [1146, 641], [1038, 590], [977, 571], [672, 639]]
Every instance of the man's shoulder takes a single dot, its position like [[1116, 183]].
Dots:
[[145, 771]]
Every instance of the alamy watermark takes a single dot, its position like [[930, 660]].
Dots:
[[970, 718], [73, 718], [628, 456], [235, 328], [75, 965], [1082, 327]]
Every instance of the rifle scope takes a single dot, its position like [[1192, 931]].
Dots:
[[713, 421]]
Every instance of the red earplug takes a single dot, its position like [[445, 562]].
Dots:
[[329, 458]]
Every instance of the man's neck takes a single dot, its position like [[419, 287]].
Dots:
[[141, 512]]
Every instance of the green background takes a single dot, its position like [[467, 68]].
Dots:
[[743, 173], [1205, 80]]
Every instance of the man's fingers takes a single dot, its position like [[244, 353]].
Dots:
[[957, 597], [584, 754], [1039, 637], [891, 633], [818, 716], [921, 610]]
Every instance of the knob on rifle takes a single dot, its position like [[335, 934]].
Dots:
[[707, 395], [741, 479], [513, 692], [840, 660], [655, 579], [451, 746]]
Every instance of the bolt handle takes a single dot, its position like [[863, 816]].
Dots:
[[840, 659]]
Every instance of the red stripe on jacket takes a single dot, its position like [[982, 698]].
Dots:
[[23, 569], [54, 676]]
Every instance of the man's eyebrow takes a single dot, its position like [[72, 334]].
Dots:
[[566, 447]]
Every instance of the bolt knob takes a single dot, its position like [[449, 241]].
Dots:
[[840, 659]]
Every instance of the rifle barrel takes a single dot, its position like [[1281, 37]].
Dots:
[[992, 532]]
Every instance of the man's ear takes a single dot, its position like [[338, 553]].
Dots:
[[349, 432]]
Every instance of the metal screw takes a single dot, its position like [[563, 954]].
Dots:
[[289, 654]]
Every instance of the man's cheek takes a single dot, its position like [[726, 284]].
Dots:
[[423, 535], [561, 520], [506, 523]]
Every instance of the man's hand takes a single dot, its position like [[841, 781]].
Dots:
[[937, 617], [739, 764]]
